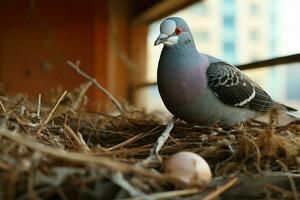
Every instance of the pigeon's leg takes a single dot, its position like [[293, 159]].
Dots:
[[163, 138], [242, 124], [154, 153], [231, 136]]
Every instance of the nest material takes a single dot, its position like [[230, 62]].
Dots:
[[57, 150]]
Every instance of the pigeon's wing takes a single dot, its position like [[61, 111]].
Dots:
[[234, 88]]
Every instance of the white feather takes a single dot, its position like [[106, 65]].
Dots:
[[168, 26], [246, 100]]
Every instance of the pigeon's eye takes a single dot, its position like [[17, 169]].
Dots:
[[177, 31]]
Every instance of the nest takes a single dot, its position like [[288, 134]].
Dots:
[[59, 150]]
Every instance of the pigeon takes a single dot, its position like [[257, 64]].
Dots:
[[202, 89]]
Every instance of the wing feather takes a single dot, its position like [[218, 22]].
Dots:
[[234, 88]]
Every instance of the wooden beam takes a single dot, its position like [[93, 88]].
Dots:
[[253, 65], [138, 57], [162, 9], [271, 62], [118, 47]]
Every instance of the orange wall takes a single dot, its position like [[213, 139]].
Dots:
[[38, 37]]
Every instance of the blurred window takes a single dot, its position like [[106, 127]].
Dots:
[[254, 9], [228, 7], [228, 22], [199, 10], [254, 35], [228, 2], [241, 31], [293, 82], [201, 35], [229, 50]]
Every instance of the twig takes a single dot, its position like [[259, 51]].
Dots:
[[123, 183], [280, 174], [30, 187], [170, 194], [61, 194], [25, 123], [11, 184], [132, 139], [284, 192], [258, 154], [98, 86], [100, 113], [38, 112], [79, 115], [109, 163], [154, 153], [290, 178], [5, 166], [2, 107], [83, 89], [221, 189], [54, 108], [77, 137]]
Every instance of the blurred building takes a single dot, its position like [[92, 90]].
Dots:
[[238, 31]]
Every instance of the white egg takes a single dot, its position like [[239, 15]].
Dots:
[[189, 167]]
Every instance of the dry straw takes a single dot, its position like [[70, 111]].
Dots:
[[54, 148]]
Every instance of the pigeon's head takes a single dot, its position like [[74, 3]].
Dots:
[[174, 30]]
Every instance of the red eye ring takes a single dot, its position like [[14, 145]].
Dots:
[[177, 31]]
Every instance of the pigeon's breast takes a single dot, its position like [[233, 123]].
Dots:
[[181, 85]]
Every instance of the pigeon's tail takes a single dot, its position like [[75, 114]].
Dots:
[[292, 113], [296, 121], [282, 118], [295, 116], [288, 108]]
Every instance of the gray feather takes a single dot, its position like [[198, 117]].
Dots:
[[234, 88], [203, 89]]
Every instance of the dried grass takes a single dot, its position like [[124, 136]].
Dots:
[[55, 149]]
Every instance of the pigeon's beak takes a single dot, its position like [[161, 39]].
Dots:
[[160, 39]]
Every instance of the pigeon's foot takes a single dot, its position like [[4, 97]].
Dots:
[[154, 157]]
